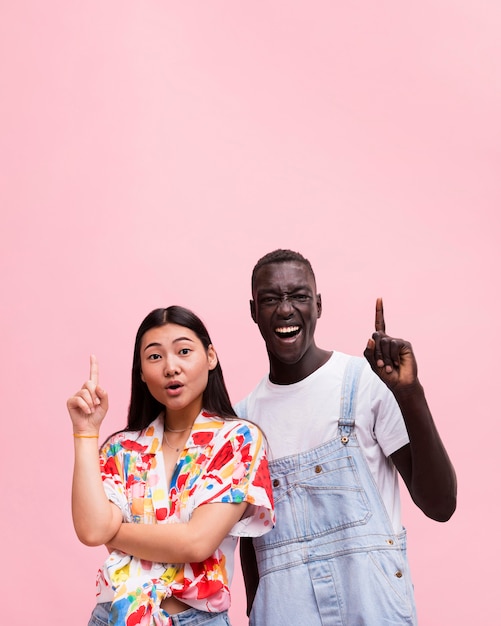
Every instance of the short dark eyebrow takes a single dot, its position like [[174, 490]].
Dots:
[[265, 291], [156, 344]]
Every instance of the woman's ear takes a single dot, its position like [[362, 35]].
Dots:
[[212, 357], [142, 377]]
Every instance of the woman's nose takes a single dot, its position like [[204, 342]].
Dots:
[[171, 368]]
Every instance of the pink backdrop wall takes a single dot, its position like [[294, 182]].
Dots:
[[151, 152]]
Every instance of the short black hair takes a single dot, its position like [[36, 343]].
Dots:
[[280, 256]]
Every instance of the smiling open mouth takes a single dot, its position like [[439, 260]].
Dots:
[[286, 332]]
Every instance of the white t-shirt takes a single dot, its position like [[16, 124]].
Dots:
[[301, 416]]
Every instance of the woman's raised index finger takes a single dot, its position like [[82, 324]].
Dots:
[[94, 369], [380, 325]]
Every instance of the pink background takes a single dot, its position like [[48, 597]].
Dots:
[[152, 151]]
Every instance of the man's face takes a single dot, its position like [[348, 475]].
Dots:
[[286, 308]]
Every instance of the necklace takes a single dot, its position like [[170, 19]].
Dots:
[[176, 430], [171, 446]]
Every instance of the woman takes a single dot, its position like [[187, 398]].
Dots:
[[171, 493]]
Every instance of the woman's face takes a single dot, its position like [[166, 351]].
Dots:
[[175, 367]]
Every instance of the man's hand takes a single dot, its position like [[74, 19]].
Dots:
[[391, 359]]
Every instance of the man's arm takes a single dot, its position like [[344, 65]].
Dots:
[[424, 463], [249, 570]]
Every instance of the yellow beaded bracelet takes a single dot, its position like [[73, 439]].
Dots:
[[78, 436]]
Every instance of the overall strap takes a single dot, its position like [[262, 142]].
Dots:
[[349, 392]]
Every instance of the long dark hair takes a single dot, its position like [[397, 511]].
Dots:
[[143, 407]]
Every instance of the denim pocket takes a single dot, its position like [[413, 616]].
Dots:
[[332, 497], [316, 493], [100, 614]]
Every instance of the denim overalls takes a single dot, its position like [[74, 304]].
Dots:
[[333, 559]]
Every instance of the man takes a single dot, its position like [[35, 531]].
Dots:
[[337, 427]]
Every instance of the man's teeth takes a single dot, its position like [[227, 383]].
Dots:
[[287, 330]]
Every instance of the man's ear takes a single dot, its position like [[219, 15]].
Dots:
[[253, 310], [319, 305], [212, 357]]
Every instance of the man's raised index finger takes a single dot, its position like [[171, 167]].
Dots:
[[94, 369], [380, 325]]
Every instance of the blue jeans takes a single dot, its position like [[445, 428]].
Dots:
[[190, 617], [333, 558]]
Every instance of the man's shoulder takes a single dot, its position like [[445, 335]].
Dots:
[[240, 407]]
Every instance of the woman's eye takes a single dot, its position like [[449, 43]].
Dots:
[[154, 357], [184, 351]]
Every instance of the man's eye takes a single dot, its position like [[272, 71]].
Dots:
[[269, 300], [301, 297]]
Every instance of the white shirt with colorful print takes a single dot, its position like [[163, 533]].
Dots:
[[223, 461]]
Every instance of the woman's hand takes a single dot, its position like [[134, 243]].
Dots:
[[88, 406]]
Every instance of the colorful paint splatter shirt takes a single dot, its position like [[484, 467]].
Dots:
[[223, 461]]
